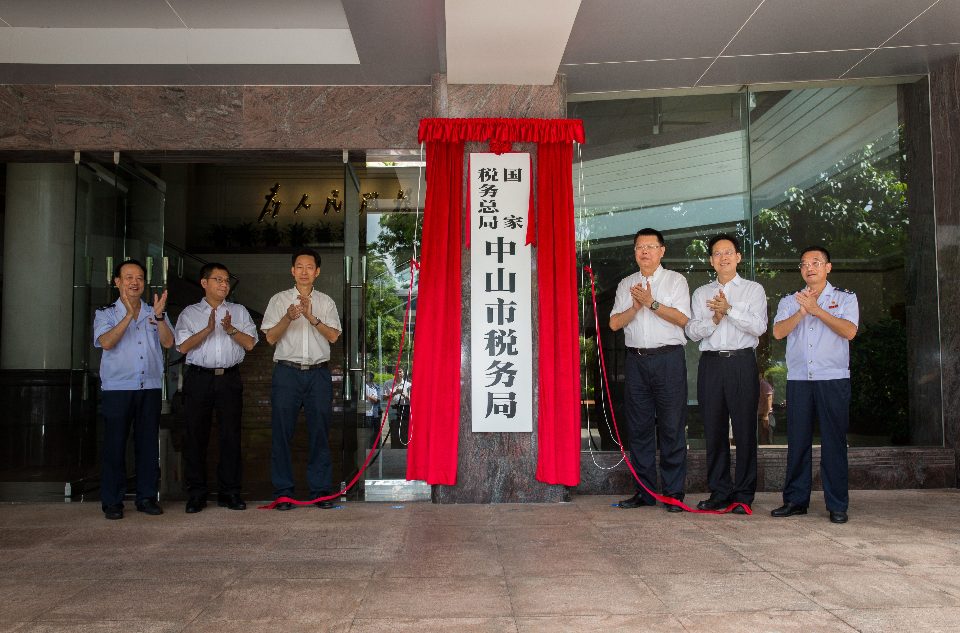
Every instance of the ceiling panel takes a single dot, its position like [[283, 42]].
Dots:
[[637, 76], [155, 14], [631, 30], [939, 25], [917, 60], [394, 34], [257, 14], [787, 26], [780, 68]]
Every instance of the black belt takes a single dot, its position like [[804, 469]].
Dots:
[[650, 351], [746, 351], [215, 372], [302, 367]]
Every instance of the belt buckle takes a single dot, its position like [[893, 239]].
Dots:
[[217, 372], [724, 354], [304, 367]]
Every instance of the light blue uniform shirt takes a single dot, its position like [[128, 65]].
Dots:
[[814, 351], [136, 361]]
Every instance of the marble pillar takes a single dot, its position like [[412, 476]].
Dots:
[[496, 467], [38, 266], [945, 132], [923, 317]]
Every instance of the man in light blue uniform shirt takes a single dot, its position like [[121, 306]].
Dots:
[[818, 322], [131, 334]]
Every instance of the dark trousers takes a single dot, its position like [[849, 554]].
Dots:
[[727, 391], [202, 393], [292, 390], [828, 400], [400, 428], [141, 408], [656, 397]]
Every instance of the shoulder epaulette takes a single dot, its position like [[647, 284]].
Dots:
[[839, 289], [105, 306], [790, 294]]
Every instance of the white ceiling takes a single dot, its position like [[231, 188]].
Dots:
[[602, 46]]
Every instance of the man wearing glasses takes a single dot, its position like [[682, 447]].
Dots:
[[818, 322], [215, 335], [729, 315], [651, 307]]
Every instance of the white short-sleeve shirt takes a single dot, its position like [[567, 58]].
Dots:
[[648, 330], [302, 343], [219, 350]]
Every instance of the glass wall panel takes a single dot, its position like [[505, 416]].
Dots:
[[674, 164], [826, 169]]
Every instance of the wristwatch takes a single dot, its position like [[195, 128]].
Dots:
[[235, 331], [162, 317], [727, 311], [655, 305]]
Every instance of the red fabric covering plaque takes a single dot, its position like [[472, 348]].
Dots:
[[435, 401]]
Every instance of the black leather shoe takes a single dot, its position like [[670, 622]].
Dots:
[[838, 516], [150, 507], [739, 509], [233, 502], [670, 506], [196, 504], [715, 502], [113, 512], [284, 505], [636, 501], [788, 510]]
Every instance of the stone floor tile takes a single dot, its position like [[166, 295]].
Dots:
[[582, 595], [431, 625], [138, 600], [119, 534], [647, 622], [944, 579], [905, 620], [441, 562], [327, 625], [716, 592], [28, 598], [100, 626], [918, 552], [866, 588], [667, 558], [468, 596], [805, 554], [447, 535], [521, 514], [779, 621], [583, 560], [304, 600], [18, 538]]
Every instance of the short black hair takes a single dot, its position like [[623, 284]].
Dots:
[[817, 248], [208, 269], [719, 238], [116, 271], [649, 232], [300, 252]]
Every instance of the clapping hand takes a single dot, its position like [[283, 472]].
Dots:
[[294, 311], [641, 295], [808, 301], [306, 307], [159, 304], [719, 305], [226, 324]]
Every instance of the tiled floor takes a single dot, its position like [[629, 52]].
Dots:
[[582, 566]]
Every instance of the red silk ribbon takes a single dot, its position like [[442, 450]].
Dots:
[[603, 368], [414, 265]]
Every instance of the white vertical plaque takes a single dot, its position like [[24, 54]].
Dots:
[[501, 324]]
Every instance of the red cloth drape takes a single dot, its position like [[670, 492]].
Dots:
[[435, 395], [559, 363], [435, 401], [513, 130]]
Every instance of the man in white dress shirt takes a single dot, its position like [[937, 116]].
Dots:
[[400, 406], [302, 323], [729, 315], [214, 334], [651, 307]]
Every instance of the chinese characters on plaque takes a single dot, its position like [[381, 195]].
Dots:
[[500, 306]]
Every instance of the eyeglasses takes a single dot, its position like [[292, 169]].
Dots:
[[724, 254], [220, 280], [646, 247], [815, 263]]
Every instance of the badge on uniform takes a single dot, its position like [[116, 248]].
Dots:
[[833, 304]]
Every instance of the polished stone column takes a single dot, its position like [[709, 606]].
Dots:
[[38, 266], [496, 467], [923, 316], [945, 132]]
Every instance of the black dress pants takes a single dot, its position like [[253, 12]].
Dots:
[[400, 429], [656, 399], [121, 409], [203, 392], [728, 390]]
